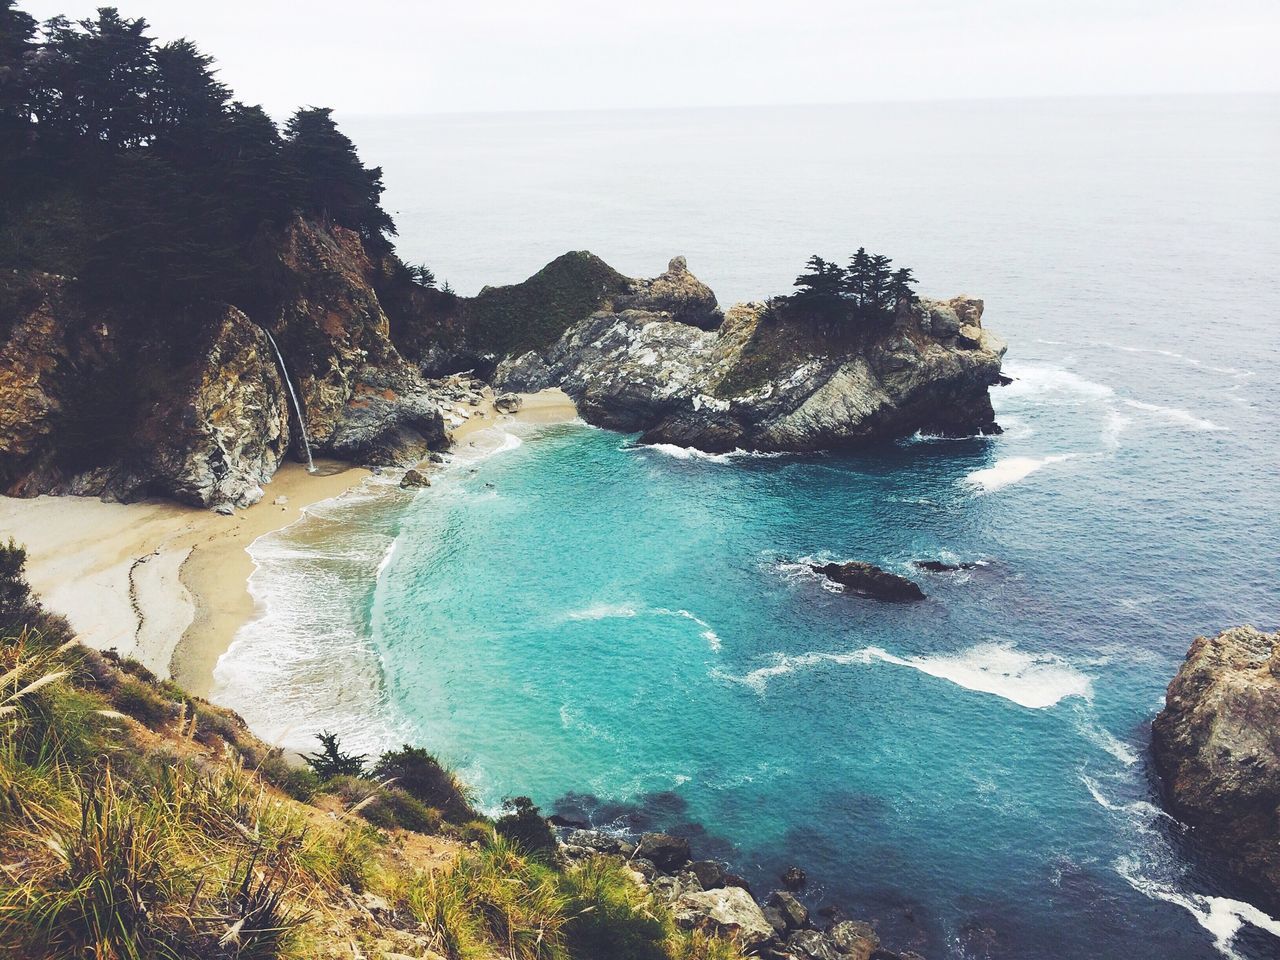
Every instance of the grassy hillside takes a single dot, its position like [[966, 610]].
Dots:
[[139, 822]]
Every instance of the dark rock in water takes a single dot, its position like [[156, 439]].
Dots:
[[1217, 752], [777, 919], [854, 938], [871, 581], [733, 880], [709, 873], [793, 878], [414, 478], [668, 853], [812, 945], [940, 566], [601, 842], [795, 912]]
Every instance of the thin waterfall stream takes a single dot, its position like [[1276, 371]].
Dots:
[[297, 407]]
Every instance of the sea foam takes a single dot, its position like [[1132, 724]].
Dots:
[[1030, 680], [1009, 470]]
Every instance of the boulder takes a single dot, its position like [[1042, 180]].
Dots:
[[602, 842], [666, 852], [777, 919], [709, 873], [793, 878], [870, 581], [855, 939], [414, 478], [793, 911], [941, 566], [678, 294], [812, 945], [727, 911], [508, 403], [1218, 756]]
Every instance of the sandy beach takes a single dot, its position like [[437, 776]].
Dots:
[[166, 584]]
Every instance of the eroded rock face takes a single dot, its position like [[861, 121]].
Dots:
[[85, 411], [362, 400], [727, 911], [678, 294], [1216, 745], [758, 383]]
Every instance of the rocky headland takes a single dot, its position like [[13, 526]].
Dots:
[[132, 401], [1216, 746]]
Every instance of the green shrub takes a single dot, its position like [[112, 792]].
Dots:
[[423, 777], [142, 701], [331, 762], [523, 824]]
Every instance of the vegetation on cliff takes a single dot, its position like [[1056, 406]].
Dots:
[[865, 293], [138, 822], [126, 163]]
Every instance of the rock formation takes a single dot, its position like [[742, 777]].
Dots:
[[1216, 746], [870, 581], [125, 402], [657, 362]]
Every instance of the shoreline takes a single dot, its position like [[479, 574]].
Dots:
[[168, 584]]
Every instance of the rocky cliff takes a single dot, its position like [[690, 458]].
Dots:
[[127, 401], [1216, 746], [661, 362]]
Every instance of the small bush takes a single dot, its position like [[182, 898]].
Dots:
[[331, 762], [523, 824], [422, 776], [142, 701]]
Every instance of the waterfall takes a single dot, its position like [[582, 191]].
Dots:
[[297, 407]]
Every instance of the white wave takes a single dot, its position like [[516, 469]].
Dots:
[[1174, 414], [386, 558], [708, 634], [1009, 470], [1140, 811], [1103, 738], [1115, 424], [1174, 355], [1221, 916], [1035, 381], [1030, 680], [604, 611], [693, 453]]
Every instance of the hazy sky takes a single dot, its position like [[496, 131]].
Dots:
[[394, 56]]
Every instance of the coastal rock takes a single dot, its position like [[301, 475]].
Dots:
[[507, 403], [793, 911], [812, 945], [728, 911], [793, 878], [84, 411], [869, 580], [709, 873], [601, 842], [941, 566], [527, 373], [1216, 749], [855, 939], [678, 294], [666, 852], [413, 479], [756, 383]]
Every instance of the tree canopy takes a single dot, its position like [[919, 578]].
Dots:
[[127, 163], [866, 292]]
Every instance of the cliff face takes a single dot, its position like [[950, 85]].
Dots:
[[131, 402], [1216, 745], [755, 382]]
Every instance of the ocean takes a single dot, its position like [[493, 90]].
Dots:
[[631, 634]]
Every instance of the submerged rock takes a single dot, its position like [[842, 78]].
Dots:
[[414, 478], [941, 566], [793, 878], [869, 580], [1216, 748]]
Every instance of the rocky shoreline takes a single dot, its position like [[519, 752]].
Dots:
[[1216, 746], [703, 895]]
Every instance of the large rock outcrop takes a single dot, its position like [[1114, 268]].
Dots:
[[1216, 746], [759, 383], [85, 410], [127, 401]]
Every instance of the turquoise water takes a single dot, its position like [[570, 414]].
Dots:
[[629, 634]]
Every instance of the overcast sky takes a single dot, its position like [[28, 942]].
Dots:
[[395, 56]]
